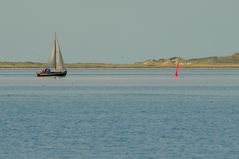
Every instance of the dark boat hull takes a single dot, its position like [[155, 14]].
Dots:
[[60, 74]]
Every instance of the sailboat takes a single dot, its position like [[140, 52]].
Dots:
[[55, 65], [176, 71]]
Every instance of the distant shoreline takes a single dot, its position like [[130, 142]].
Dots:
[[231, 61], [83, 65]]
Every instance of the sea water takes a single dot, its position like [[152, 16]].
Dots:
[[120, 114]]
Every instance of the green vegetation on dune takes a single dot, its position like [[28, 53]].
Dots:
[[233, 59], [223, 61], [206, 62]]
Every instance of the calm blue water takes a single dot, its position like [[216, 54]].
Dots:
[[120, 114]]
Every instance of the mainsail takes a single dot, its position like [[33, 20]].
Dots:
[[52, 58], [52, 63]]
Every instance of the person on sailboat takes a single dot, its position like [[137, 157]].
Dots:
[[47, 70]]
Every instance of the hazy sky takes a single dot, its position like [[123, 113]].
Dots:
[[118, 31]]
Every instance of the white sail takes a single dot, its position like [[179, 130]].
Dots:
[[60, 62], [54, 68], [52, 58]]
